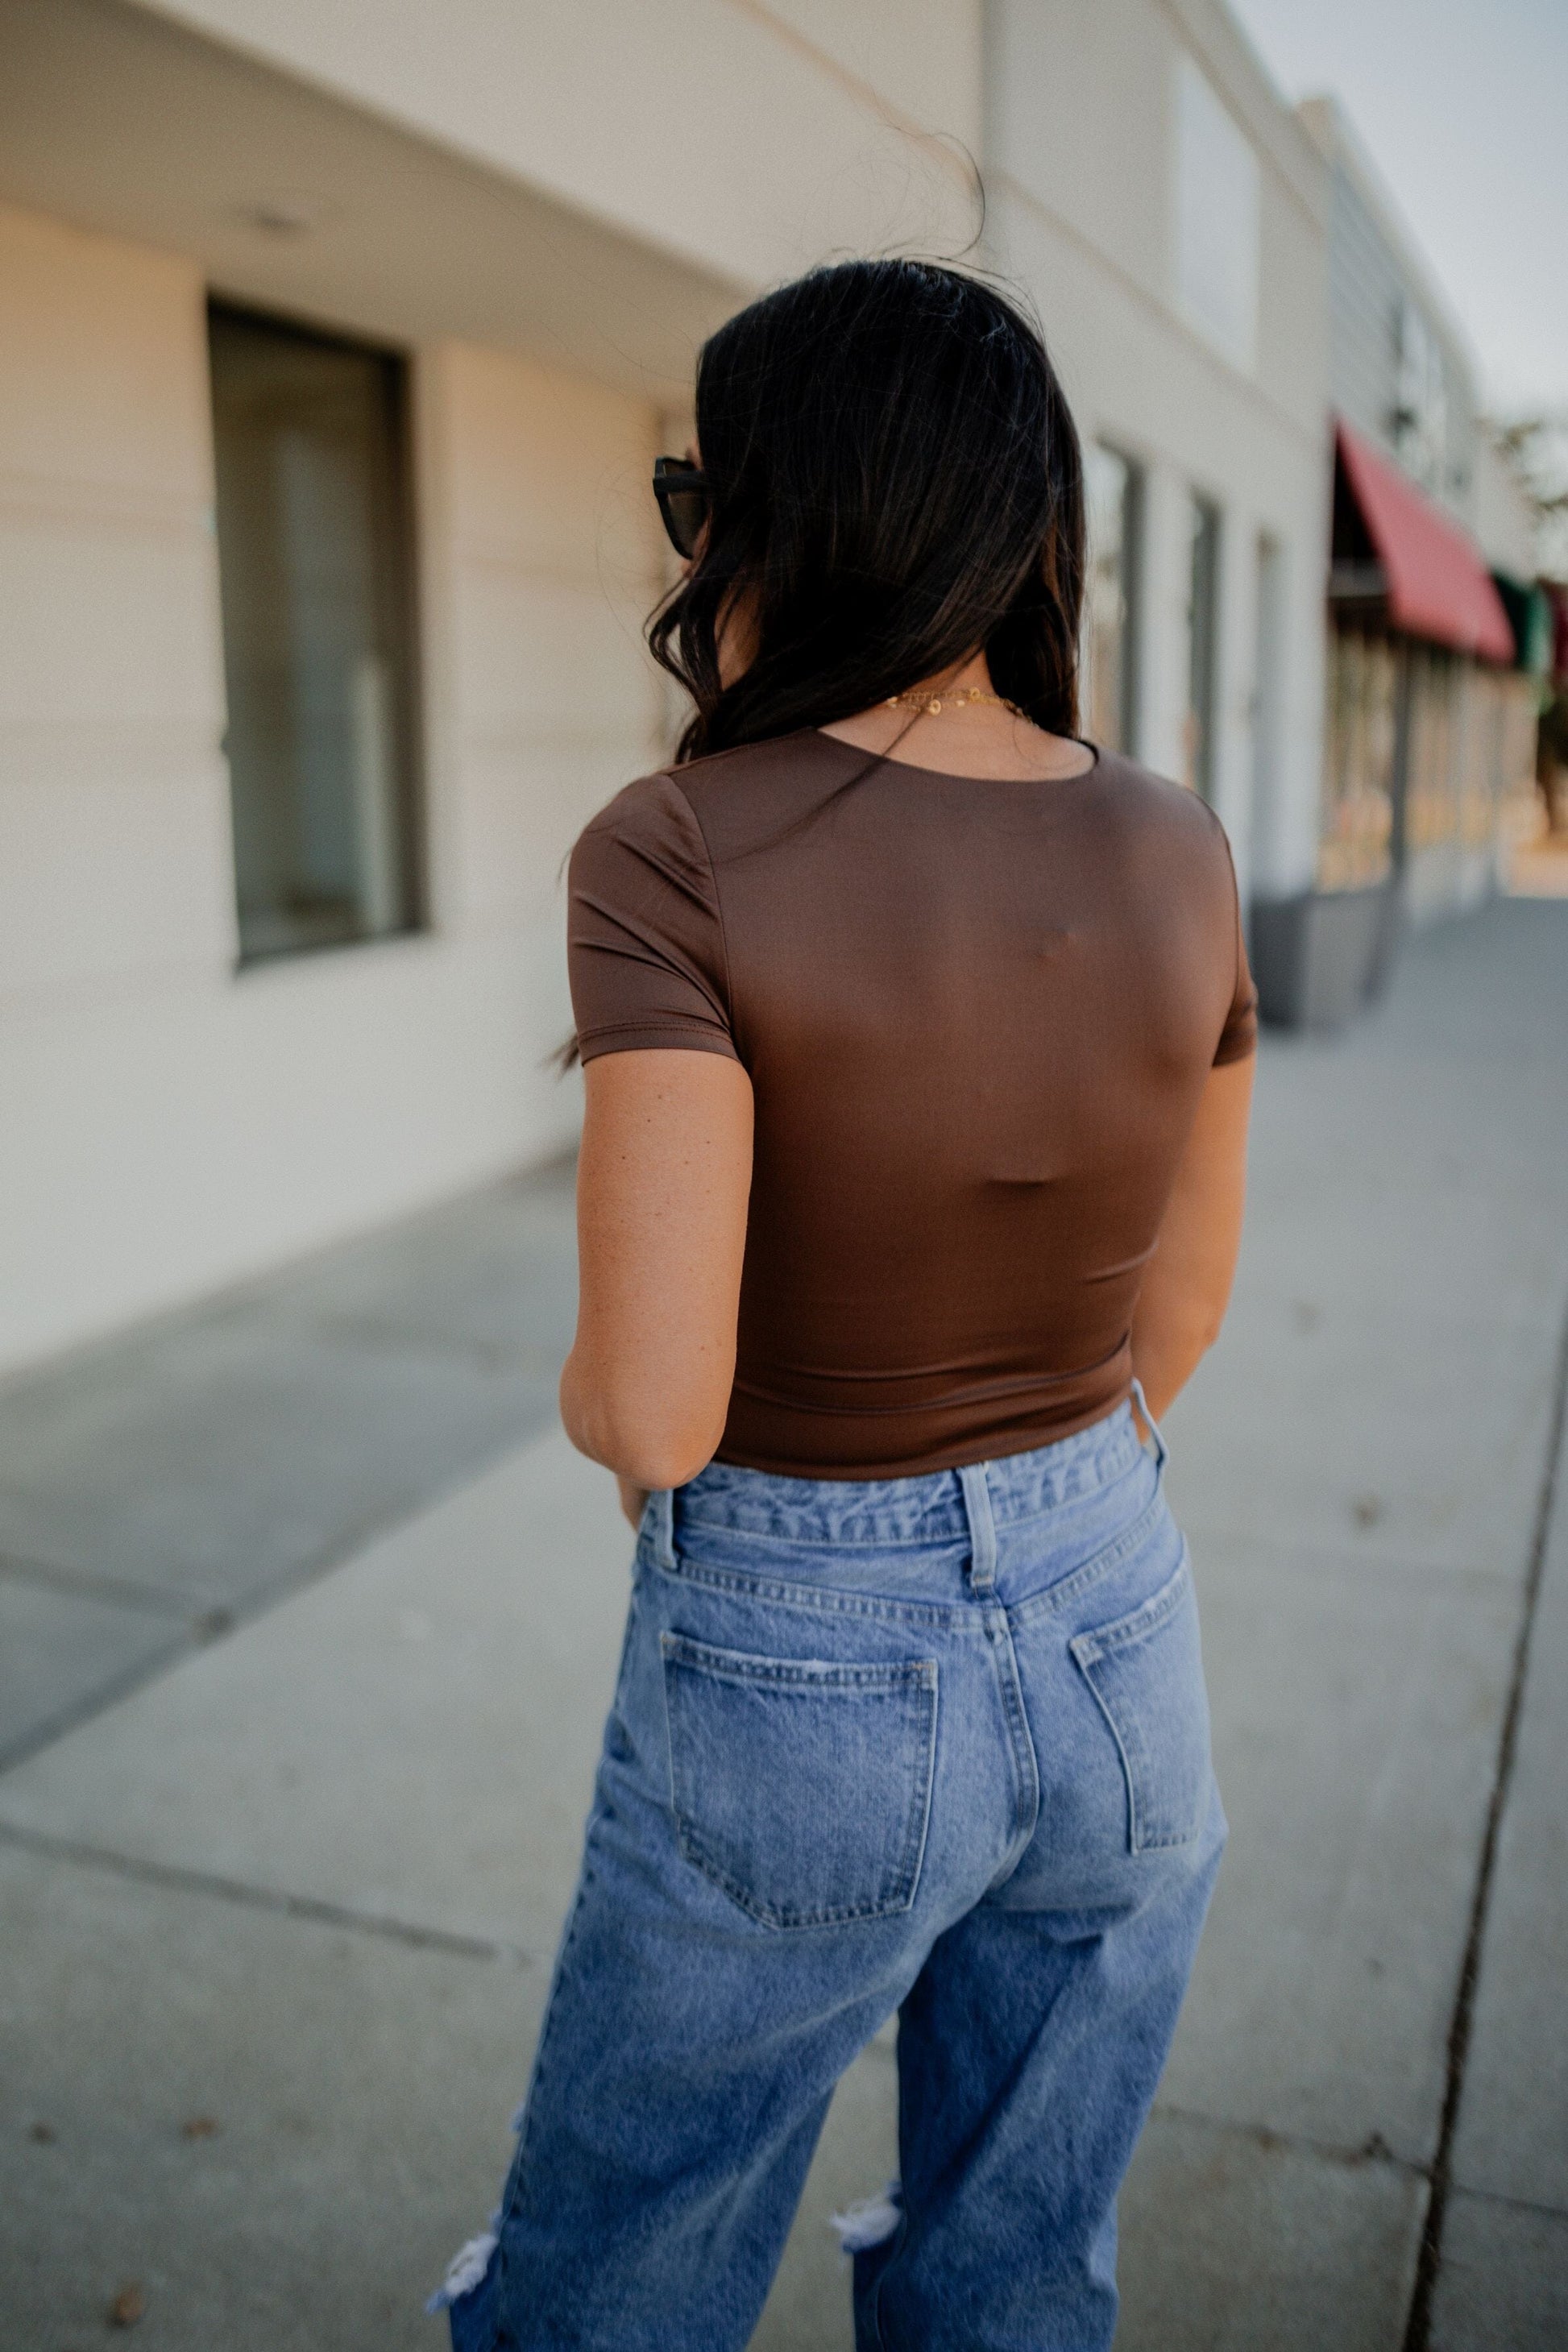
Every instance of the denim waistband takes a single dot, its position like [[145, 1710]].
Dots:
[[939, 1506]]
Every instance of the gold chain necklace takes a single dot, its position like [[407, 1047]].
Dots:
[[959, 697]]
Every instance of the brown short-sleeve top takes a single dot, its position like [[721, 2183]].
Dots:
[[977, 1016]]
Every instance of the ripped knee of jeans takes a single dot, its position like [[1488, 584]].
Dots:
[[466, 2271], [871, 2221]]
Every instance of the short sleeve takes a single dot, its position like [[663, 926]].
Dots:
[[645, 937], [1239, 1036]]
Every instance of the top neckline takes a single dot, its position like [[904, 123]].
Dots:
[[955, 775]]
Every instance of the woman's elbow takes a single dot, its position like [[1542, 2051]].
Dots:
[[1200, 1327], [660, 1463], [639, 1439], [1209, 1323], [1182, 1332]]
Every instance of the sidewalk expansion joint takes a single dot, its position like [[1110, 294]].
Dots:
[[124, 1685], [1418, 2325], [1513, 2204], [182, 1880], [203, 1623], [91, 1584]]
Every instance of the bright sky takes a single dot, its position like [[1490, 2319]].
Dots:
[[1464, 107]]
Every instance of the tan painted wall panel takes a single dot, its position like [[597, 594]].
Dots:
[[171, 1125], [98, 386]]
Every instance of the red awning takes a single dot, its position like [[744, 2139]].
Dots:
[[1438, 586]]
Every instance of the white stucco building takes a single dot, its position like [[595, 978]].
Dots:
[[1169, 216], [337, 345]]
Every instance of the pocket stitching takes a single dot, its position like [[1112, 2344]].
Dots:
[[1089, 1649], [1146, 1618], [809, 1674], [921, 1674]]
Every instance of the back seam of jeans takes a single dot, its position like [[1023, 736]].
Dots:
[[1027, 1764]]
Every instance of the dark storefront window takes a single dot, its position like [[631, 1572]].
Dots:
[[1114, 489], [1203, 647], [1425, 754], [313, 551]]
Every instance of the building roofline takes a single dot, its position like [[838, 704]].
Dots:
[[1244, 82], [1328, 124]]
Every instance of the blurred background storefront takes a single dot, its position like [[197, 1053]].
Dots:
[[1431, 687], [338, 344]]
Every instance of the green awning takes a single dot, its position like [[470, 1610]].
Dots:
[[1529, 611]]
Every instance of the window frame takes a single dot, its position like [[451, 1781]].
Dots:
[[1203, 756], [398, 597], [1134, 514]]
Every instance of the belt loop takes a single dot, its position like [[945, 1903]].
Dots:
[[982, 1526], [659, 1520], [1162, 1451]]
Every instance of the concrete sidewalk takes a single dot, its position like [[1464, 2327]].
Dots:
[[281, 1888]]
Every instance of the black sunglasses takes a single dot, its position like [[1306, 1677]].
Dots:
[[683, 495]]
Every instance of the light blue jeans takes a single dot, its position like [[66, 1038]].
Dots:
[[937, 1745]]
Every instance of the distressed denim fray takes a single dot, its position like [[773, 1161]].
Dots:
[[934, 1744]]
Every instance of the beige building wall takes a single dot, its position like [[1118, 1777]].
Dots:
[[751, 139], [172, 1124], [922, 59], [545, 208]]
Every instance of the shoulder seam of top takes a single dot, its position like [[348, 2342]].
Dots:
[[718, 900], [636, 1028]]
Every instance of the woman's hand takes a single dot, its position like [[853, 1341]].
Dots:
[[663, 1181], [1187, 1287]]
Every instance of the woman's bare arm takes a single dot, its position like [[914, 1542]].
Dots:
[[1187, 1287], [663, 1181]]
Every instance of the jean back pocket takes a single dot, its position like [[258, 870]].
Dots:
[[1146, 1670], [801, 1786]]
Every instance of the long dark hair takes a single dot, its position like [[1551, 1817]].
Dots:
[[895, 482]]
